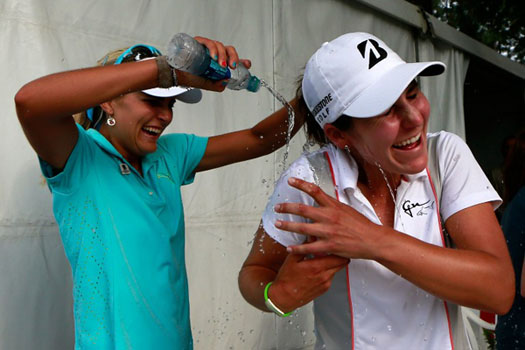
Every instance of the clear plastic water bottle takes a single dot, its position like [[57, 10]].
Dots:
[[187, 54], [242, 79]]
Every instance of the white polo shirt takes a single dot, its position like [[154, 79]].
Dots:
[[368, 306]]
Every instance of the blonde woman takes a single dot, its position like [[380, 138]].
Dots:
[[116, 187]]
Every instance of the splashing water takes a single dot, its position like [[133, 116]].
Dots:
[[387, 183], [314, 173], [391, 194], [291, 118]]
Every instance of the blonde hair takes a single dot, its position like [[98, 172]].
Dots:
[[108, 60]]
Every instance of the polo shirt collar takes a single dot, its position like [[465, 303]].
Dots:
[[417, 176], [147, 161], [103, 142], [347, 171]]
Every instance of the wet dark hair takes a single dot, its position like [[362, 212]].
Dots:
[[314, 132], [514, 168]]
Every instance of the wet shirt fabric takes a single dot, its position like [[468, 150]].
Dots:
[[123, 235], [367, 305]]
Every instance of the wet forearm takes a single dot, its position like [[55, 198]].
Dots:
[[272, 132], [252, 281], [466, 277]]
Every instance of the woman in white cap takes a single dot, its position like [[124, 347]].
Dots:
[[116, 188], [374, 258]]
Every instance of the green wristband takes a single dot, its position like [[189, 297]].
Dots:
[[271, 306]]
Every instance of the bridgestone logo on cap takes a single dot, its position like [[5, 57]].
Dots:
[[323, 103], [375, 53]]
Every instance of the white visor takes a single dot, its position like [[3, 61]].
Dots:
[[181, 93]]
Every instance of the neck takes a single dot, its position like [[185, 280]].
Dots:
[[134, 160], [379, 187], [137, 165], [374, 178]]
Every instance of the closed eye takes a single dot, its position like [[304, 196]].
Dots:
[[154, 102], [412, 90], [387, 112]]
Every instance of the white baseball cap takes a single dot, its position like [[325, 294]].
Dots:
[[358, 75]]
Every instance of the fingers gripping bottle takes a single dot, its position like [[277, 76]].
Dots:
[[187, 54]]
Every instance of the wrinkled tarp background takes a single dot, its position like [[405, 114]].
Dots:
[[223, 206]]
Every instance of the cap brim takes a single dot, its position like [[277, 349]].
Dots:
[[184, 94], [381, 95]]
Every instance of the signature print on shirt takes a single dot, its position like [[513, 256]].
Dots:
[[419, 209]]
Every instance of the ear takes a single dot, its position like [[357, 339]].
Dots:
[[339, 138], [107, 107]]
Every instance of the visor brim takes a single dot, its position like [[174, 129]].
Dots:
[[184, 94]]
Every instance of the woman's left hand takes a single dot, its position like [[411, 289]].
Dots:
[[225, 55], [337, 228]]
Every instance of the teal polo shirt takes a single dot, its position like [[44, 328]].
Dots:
[[124, 237]]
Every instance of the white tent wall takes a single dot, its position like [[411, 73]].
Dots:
[[223, 206]]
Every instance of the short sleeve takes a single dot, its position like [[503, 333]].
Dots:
[[284, 193], [76, 168], [464, 184], [186, 151]]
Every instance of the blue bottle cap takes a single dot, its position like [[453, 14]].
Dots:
[[254, 84]]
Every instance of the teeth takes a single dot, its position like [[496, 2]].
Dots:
[[408, 142], [152, 130]]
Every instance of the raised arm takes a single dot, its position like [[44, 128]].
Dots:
[[45, 105], [477, 274], [265, 137]]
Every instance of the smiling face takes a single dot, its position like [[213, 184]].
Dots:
[[140, 120], [396, 139]]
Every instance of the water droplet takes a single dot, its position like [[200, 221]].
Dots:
[[291, 118]]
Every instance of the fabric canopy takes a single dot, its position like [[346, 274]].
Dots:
[[223, 206]]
